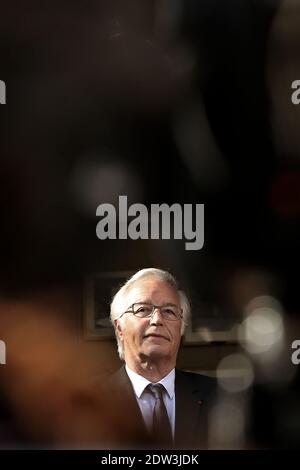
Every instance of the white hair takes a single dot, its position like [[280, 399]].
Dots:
[[119, 300]]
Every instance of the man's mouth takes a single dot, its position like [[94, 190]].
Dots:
[[156, 335]]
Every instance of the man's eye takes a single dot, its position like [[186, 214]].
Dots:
[[169, 312], [143, 310]]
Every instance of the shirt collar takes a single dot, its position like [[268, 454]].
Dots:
[[139, 382]]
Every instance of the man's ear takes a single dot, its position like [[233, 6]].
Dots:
[[119, 329]]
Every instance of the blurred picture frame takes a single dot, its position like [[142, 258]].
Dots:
[[99, 289], [208, 324]]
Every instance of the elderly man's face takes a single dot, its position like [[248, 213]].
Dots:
[[155, 337]]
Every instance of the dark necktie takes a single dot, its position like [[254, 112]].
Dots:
[[161, 428]]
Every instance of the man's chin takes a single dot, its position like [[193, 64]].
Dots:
[[155, 352]]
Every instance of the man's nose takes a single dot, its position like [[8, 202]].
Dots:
[[156, 317]]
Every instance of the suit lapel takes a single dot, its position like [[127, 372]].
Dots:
[[190, 411], [121, 387]]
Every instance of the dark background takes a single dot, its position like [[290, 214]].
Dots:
[[104, 99]]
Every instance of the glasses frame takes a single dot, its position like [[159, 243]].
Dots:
[[154, 307]]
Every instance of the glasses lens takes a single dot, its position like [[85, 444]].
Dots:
[[171, 312], [142, 310]]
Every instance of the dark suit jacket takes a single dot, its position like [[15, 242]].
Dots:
[[194, 394]]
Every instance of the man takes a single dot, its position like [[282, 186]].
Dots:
[[161, 406]]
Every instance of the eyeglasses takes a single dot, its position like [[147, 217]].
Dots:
[[144, 310]]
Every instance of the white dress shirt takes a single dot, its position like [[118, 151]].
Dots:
[[146, 400]]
